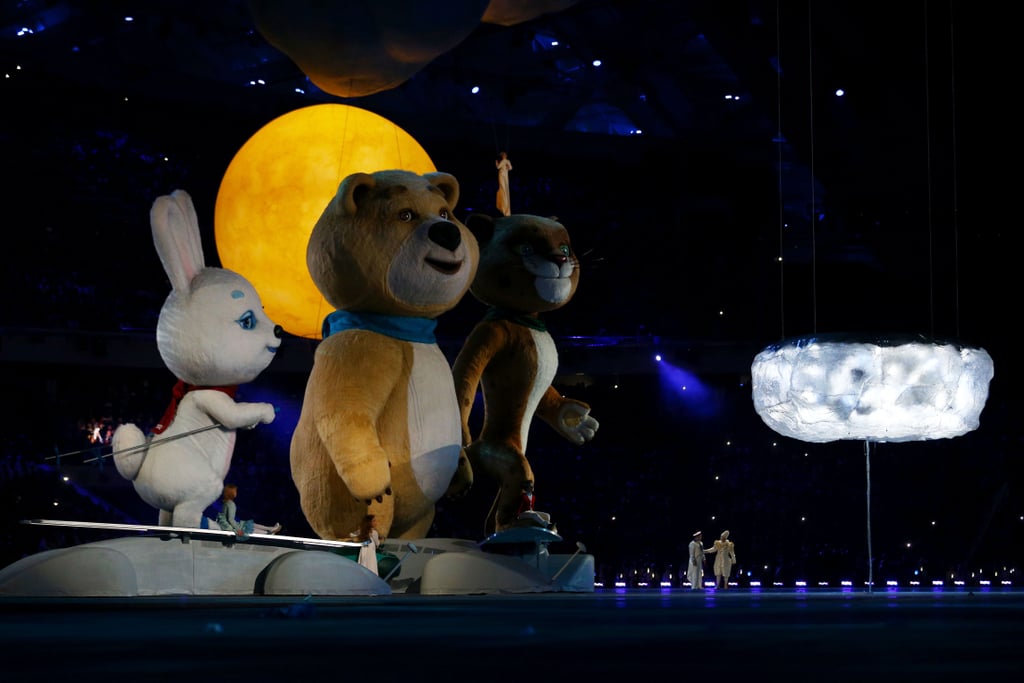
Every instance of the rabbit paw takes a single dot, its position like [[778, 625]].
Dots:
[[268, 413], [260, 413]]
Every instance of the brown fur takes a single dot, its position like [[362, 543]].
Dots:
[[503, 355], [386, 244]]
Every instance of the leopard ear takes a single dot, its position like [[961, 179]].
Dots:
[[481, 226]]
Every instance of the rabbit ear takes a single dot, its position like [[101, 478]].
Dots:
[[177, 239]]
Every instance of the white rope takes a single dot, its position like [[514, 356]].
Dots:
[[140, 447]]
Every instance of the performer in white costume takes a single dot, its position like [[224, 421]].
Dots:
[[503, 199], [724, 560], [695, 568], [368, 532]]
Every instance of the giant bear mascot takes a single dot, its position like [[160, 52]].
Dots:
[[379, 428]]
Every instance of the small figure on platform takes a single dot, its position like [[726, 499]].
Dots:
[[526, 498], [724, 560], [526, 515], [368, 532], [503, 199], [226, 518], [695, 568]]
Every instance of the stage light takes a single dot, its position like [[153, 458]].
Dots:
[[278, 184]]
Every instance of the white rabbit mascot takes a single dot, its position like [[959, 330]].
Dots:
[[213, 335]]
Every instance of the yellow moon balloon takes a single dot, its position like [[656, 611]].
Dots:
[[276, 187]]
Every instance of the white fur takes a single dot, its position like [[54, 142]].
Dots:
[[434, 431], [212, 331], [553, 283]]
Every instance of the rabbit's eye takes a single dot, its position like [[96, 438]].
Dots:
[[405, 215], [247, 321]]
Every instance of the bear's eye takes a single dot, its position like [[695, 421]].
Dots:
[[525, 250], [405, 215], [443, 213], [564, 249], [247, 321]]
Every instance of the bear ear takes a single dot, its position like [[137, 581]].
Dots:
[[481, 226], [448, 185], [351, 191]]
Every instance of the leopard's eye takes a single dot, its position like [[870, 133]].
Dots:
[[565, 250], [405, 215], [525, 250]]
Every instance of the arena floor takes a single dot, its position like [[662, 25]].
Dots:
[[791, 635]]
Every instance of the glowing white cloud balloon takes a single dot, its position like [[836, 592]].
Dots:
[[828, 388]]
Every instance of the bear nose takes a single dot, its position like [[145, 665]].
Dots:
[[278, 331], [445, 234]]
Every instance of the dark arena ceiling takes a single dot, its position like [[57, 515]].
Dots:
[[719, 190]]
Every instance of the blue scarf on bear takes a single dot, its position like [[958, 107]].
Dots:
[[402, 327]]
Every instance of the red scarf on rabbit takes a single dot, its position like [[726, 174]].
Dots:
[[178, 393]]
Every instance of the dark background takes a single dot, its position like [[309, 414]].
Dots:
[[892, 208]]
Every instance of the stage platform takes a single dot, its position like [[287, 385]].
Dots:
[[678, 635]]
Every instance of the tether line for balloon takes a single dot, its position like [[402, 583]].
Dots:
[[133, 449], [871, 563]]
